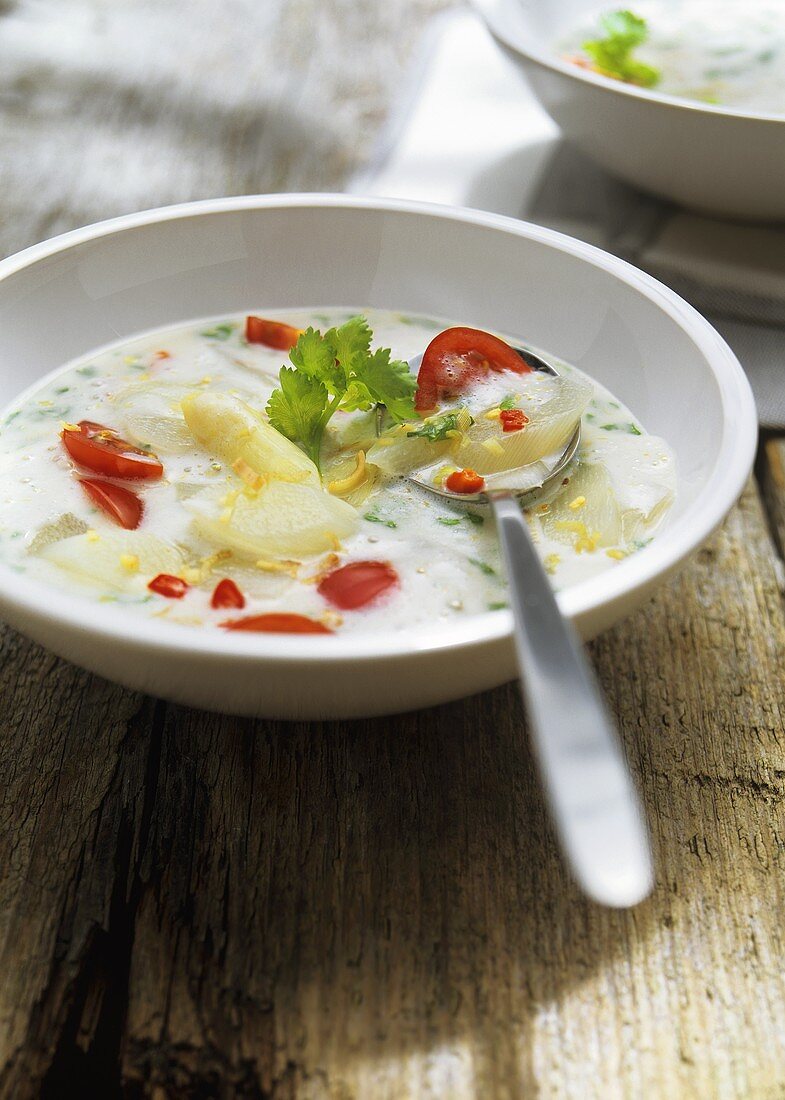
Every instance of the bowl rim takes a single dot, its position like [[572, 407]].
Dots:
[[551, 61], [634, 574]]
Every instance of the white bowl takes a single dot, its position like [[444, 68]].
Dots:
[[713, 159], [62, 298]]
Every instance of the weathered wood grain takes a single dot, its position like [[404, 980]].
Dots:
[[198, 906]]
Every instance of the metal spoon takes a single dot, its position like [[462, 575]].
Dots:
[[595, 806]]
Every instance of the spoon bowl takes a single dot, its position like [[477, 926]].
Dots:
[[528, 483]]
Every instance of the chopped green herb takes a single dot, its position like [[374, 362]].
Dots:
[[334, 371], [640, 544], [508, 402], [483, 566], [500, 606], [12, 416], [219, 332], [437, 428], [87, 372], [62, 389], [634, 430], [472, 517], [372, 518], [612, 55], [448, 521]]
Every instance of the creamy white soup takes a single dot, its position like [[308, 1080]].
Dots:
[[714, 51], [202, 476]]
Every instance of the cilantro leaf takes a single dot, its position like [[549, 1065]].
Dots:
[[437, 428], [357, 396], [612, 55], [334, 371], [350, 344], [314, 355], [391, 383], [297, 409], [508, 402]]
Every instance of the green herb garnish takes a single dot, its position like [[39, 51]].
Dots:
[[508, 402], [612, 55], [437, 428], [483, 566], [500, 606], [219, 332], [372, 518], [472, 517], [335, 371], [447, 521]]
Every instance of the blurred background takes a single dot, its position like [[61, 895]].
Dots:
[[110, 106]]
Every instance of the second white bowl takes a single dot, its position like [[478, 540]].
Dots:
[[713, 159]]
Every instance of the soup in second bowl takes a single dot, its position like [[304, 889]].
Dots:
[[726, 53]]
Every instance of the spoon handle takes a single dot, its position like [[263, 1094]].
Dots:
[[593, 800]]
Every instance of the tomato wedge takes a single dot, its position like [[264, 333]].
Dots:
[[278, 622], [121, 505], [273, 334], [464, 481], [458, 357], [227, 594], [513, 420], [167, 585], [101, 450], [358, 584]]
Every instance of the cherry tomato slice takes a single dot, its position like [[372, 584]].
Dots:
[[458, 357], [513, 419], [278, 622], [227, 594], [102, 450], [358, 584], [273, 334], [167, 585], [121, 505], [465, 481]]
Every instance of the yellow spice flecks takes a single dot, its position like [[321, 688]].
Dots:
[[253, 480], [577, 503], [551, 562], [92, 536], [129, 562], [617, 555], [284, 566]]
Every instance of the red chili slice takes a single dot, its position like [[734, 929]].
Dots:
[[358, 584], [101, 450], [513, 419], [458, 357], [465, 481], [121, 505], [227, 594], [278, 622], [273, 334], [167, 585]]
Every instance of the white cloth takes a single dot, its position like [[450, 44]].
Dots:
[[470, 133]]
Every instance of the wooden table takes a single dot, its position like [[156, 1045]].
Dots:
[[201, 906]]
